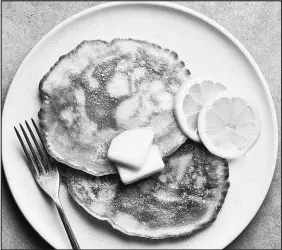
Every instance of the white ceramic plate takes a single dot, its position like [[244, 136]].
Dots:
[[207, 49]]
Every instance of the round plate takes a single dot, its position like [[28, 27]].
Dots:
[[207, 49]]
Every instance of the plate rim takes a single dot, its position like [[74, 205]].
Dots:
[[187, 11]]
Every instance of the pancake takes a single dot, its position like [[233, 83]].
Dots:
[[100, 89], [182, 199]]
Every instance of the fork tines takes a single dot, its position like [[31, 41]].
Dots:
[[40, 162]]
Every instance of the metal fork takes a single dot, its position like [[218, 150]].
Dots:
[[45, 172]]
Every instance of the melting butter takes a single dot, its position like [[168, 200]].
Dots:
[[131, 147], [152, 165], [134, 155]]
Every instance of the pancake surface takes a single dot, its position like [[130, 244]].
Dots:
[[100, 89], [185, 197]]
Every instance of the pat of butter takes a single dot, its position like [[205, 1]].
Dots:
[[152, 165], [131, 147]]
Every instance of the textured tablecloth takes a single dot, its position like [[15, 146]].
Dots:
[[256, 24]]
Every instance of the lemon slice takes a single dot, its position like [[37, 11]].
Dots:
[[228, 125], [189, 100]]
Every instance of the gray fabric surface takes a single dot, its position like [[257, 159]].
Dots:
[[256, 24]]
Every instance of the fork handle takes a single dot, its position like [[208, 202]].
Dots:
[[67, 226]]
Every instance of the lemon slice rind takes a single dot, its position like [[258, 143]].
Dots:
[[180, 115]]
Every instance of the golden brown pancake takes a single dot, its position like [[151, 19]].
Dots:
[[100, 89], [184, 198]]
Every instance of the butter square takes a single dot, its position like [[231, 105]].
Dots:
[[130, 148], [152, 165]]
